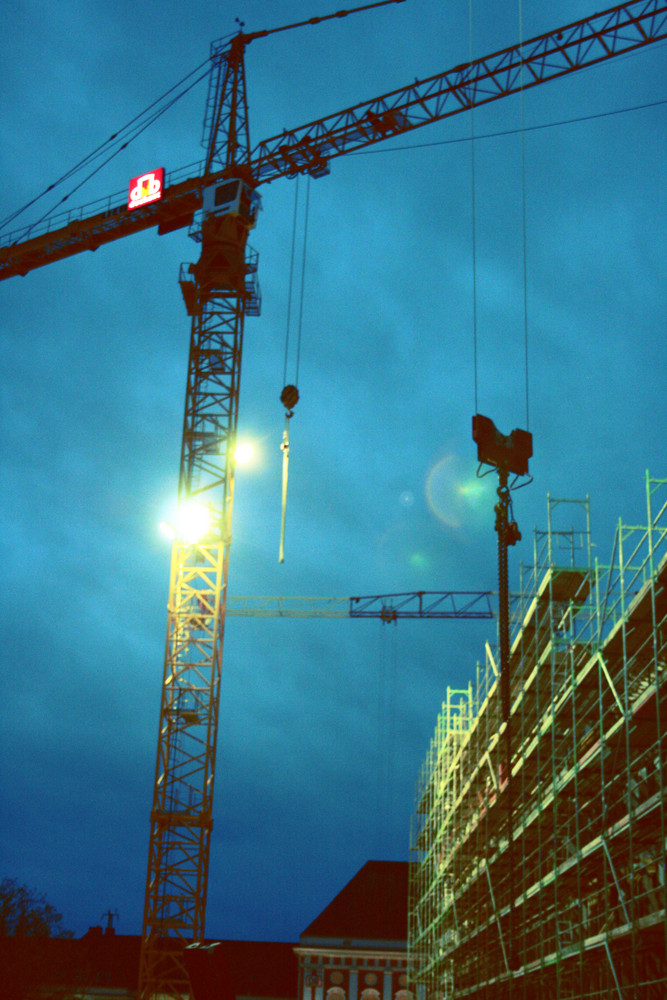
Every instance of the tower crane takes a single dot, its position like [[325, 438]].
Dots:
[[441, 604], [220, 289]]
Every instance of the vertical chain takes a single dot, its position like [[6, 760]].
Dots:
[[501, 510]]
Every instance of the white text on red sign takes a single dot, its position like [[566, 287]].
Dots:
[[146, 188]]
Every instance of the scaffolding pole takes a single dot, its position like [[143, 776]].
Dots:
[[582, 892]]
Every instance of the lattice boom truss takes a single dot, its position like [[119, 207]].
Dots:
[[181, 817], [589, 755]]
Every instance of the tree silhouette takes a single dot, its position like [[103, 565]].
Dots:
[[26, 919], [24, 913]]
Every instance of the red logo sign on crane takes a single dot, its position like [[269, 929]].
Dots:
[[146, 188]]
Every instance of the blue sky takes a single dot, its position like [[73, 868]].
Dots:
[[323, 724]]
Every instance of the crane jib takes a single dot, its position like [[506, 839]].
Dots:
[[309, 148]]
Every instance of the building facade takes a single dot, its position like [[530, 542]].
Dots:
[[356, 949], [552, 884]]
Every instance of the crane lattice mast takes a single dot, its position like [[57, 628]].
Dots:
[[219, 290]]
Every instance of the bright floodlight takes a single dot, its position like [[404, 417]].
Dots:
[[193, 521], [190, 524], [244, 452]]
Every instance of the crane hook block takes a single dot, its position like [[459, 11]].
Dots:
[[289, 397], [509, 452]]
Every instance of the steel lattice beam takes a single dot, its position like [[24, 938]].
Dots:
[[181, 816], [388, 607], [520, 67], [309, 148]]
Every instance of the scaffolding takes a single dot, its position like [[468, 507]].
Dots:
[[582, 912]]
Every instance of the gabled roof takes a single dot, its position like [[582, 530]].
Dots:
[[371, 908]]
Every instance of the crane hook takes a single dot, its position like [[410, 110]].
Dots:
[[289, 397]]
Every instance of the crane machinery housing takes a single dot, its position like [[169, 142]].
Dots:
[[220, 289]]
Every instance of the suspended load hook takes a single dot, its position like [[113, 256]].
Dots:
[[289, 397]]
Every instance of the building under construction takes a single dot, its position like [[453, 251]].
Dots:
[[572, 904]]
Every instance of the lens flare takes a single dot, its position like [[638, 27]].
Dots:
[[419, 561], [452, 495]]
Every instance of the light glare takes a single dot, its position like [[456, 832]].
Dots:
[[193, 521], [190, 523], [244, 452]]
